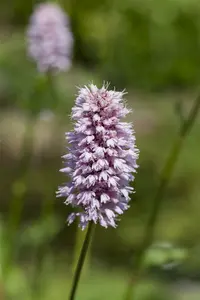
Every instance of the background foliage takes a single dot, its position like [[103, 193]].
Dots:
[[151, 48], [153, 44]]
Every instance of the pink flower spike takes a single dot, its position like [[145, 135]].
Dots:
[[100, 165]]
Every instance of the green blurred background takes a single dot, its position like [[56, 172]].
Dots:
[[152, 49]]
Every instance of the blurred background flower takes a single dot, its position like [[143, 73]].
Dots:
[[49, 38]]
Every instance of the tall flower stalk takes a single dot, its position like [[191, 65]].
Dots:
[[50, 43], [164, 181], [100, 163]]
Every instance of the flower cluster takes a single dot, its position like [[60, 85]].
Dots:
[[102, 157], [50, 40]]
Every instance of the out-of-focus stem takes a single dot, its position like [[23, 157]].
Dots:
[[164, 180], [53, 91], [18, 193], [47, 210], [81, 260], [18, 188]]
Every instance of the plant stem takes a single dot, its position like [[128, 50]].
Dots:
[[164, 180], [47, 209], [17, 197], [18, 188], [81, 261], [80, 236], [53, 92]]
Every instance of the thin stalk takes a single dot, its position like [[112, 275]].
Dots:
[[80, 236], [48, 204], [47, 209], [164, 180], [36, 280], [53, 92], [81, 260], [18, 188], [18, 194]]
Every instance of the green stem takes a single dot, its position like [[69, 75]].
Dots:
[[18, 191], [164, 180], [36, 280], [80, 236], [81, 260], [47, 209], [18, 188], [53, 92]]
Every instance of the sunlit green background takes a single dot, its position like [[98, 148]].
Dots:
[[151, 48]]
